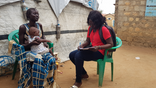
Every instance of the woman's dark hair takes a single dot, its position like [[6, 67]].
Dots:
[[29, 12], [97, 18]]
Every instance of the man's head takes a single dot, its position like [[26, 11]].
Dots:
[[33, 31], [32, 14]]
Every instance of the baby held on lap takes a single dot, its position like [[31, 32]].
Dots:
[[40, 48]]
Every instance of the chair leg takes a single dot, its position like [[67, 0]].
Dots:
[[101, 72], [97, 68], [15, 68], [111, 71]]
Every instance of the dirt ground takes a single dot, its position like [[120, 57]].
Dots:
[[129, 72]]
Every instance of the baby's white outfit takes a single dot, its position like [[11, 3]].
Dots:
[[38, 49]]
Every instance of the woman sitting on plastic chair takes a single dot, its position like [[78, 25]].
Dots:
[[41, 70], [95, 51]]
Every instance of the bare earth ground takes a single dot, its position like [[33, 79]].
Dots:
[[128, 71]]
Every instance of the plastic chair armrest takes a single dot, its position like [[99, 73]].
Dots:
[[50, 45]]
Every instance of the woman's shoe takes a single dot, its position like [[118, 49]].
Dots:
[[73, 86], [76, 85], [84, 76]]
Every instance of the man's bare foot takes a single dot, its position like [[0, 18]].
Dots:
[[84, 76]]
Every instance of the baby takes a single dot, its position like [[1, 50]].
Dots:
[[39, 49]]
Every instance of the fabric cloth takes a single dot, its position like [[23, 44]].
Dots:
[[41, 49], [78, 57], [95, 37], [41, 72], [6, 60], [6, 63]]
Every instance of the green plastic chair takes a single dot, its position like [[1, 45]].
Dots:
[[107, 58], [14, 36]]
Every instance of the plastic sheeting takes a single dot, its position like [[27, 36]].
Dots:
[[59, 5], [4, 2], [88, 3]]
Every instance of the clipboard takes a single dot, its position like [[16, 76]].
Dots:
[[87, 48]]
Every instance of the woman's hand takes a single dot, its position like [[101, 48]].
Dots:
[[87, 42], [79, 47], [48, 41], [94, 49], [37, 39], [35, 42], [45, 44]]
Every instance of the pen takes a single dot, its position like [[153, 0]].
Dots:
[[80, 44]]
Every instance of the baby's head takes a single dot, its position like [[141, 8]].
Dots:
[[33, 31]]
